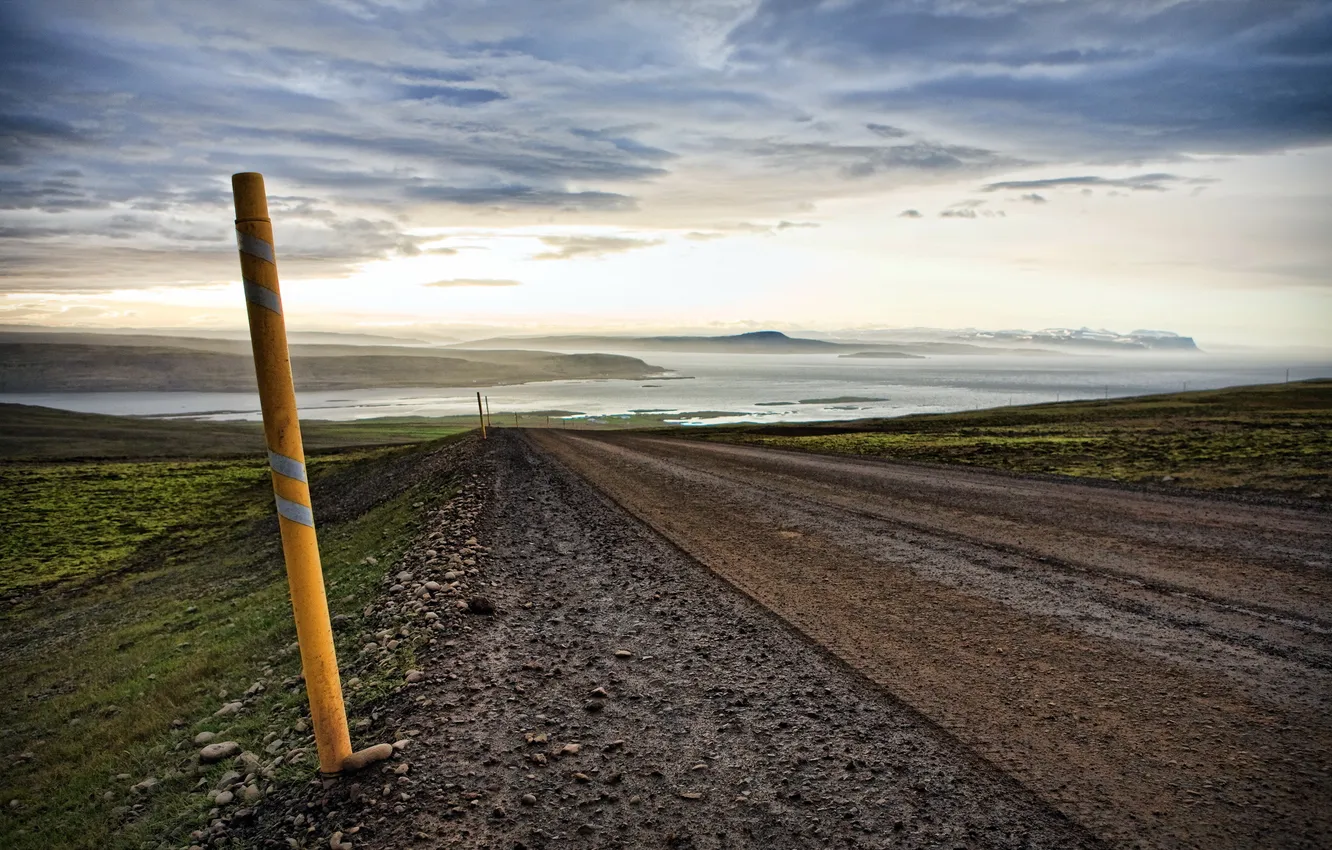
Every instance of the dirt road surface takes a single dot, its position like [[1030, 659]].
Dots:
[[623, 696], [1158, 667]]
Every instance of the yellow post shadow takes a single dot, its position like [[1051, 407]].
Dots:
[[286, 459], [481, 414]]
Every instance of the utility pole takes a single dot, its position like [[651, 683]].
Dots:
[[481, 414], [488, 421]]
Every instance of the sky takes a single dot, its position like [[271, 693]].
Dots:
[[463, 168]]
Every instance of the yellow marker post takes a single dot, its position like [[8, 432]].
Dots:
[[481, 414], [286, 459]]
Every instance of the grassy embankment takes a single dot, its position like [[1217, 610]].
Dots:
[[1276, 437], [143, 594]]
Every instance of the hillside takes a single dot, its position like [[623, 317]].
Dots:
[[227, 366]]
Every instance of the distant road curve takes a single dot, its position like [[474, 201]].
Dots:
[[1156, 666]]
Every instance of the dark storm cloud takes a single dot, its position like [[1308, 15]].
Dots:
[[381, 116], [1111, 77]]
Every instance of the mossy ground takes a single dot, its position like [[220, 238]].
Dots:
[[1273, 438], [143, 593]]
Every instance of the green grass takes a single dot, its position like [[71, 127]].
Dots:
[[31, 433], [154, 592], [1274, 438]]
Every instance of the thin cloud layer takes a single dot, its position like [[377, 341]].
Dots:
[[473, 281], [571, 247]]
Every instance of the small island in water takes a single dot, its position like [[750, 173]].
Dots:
[[885, 355]]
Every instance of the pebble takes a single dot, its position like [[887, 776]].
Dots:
[[528, 799], [414, 676], [229, 709], [217, 752], [366, 757], [251, 794], [224, 798], [404, 576], [571, 749], [623, 653], [335, 842], [433, 586], [204, 738]]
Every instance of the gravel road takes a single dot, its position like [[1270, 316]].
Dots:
[[1158, 667], [624, 696]]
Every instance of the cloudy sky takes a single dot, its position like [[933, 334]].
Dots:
[[589, 164]]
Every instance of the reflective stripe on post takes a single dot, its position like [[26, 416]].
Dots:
[[286, 460]]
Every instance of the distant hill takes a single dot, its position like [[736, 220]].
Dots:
[[756, 342], [174, 364]]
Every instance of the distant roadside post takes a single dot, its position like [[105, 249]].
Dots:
[[481, 414], [291, 488], [490, 423]]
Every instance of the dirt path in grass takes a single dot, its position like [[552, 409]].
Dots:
[[1157, 667]]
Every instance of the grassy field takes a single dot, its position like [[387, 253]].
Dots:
[[1275, 438], [41, 433], [141, 595]]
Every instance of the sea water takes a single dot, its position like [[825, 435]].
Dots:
[[751, 388]]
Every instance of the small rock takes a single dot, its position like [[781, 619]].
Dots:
[[217, 752], [528, 799], [335, 842], [226, 780], [251, 794], [229, 709], [401, 744], [404, 576], [145, 786], [582, 777], [691, 795], [480, 605], [599, 693], [414, 676], [571, 749], [224, 798], [623, 653], [594, 706], [204, 738], [433, 586], [370, 755]]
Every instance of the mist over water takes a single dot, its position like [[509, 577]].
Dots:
[[754, 388]]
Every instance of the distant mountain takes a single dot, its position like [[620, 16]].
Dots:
[[1088, 339], [34, 364], [757, 342]]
